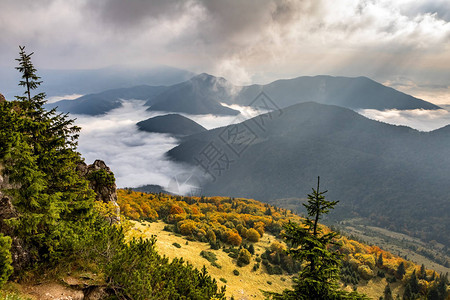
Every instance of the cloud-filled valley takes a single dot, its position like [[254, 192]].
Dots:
[[137, 157]]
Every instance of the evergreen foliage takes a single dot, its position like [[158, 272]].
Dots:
[[39, 155], [400, 270], [319, 277], [5, 259], [138, 272], [244, 257], [388, 292], [380, 260]]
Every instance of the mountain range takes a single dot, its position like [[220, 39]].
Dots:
[[206, 94], [394, 176], [100, 103]]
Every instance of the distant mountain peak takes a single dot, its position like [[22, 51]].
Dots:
[[172, 123], [211, 81]]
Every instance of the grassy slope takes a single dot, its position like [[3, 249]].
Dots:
[[248, 284]]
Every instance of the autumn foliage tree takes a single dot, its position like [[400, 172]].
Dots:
[[253, 235]]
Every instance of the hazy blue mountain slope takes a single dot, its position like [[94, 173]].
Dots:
[[67, 82], [101, 103], [205, 94], [354, 93], [202, 94], [394, 175]]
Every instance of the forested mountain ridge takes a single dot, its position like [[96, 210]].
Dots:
[[394, 175]]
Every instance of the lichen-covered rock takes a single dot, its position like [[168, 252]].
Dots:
[[102, 182]]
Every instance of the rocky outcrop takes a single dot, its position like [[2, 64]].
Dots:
[[4, 181], [2, 98], [102, 182]]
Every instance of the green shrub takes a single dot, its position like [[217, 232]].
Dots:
[[177, 245], [223, 280], [256, 267], [5, 259], [209, 256], [12, 296], [251, 249], [236, 272], [243, 258], [136, 271], [169, 228]]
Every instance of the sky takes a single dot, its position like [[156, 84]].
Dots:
[[401, 43]]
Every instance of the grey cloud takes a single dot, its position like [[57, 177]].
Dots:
[[423, 120], [131, 14], [240, 40], [439, 7]]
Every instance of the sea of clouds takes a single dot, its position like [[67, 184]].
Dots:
[[138, 158]]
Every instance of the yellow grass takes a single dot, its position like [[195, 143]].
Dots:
[[247, 285]]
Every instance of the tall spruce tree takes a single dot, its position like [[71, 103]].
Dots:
[[319, 278], [400, 270], [39, 155], [380, 261], [388, 293]]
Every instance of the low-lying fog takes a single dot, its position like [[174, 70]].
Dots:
[[137, 157], [420, 119]]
